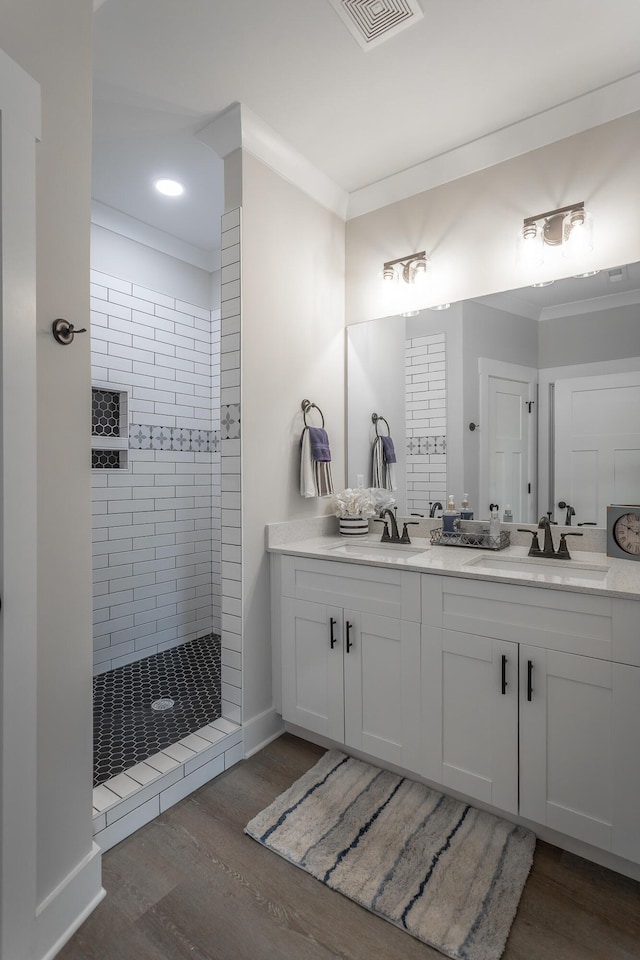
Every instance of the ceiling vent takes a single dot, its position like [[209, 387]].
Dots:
[[372, 22]]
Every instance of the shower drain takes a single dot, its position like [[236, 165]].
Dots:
[[164, 703]]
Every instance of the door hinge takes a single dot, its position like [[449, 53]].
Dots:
[[528, 488], [529, 403]]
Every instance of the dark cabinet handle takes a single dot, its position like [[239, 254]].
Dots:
[[349, 641], [529, 680], [332, 623], [504, 675]]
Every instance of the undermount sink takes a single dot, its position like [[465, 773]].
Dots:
[[542, 567], [353, 548]]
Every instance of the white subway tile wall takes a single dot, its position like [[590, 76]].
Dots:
[[157, 524], [230, 448], [426, 421]]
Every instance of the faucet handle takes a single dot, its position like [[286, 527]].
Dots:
[[534, 549], [405, 533], [563, 550], [385, 533]]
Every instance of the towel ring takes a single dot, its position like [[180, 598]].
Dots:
[[375, 418], [306, 406]]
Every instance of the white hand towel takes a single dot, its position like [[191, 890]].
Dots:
[[307, 473]]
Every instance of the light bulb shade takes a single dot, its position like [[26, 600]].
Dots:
[[530, 249], [420, 271], [578, 235]]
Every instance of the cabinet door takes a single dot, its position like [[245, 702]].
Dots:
[[566, 756], [382, 687], [312, 675], [480, 718], [470, 727], [626, 760]]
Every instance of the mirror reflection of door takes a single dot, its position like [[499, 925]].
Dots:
[[597, 444], [508, 445]]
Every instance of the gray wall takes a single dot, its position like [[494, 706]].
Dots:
[[588, 337], [375, 358]]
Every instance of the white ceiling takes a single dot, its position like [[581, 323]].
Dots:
[[164, 69]]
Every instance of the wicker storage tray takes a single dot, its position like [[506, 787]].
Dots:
[[481, 540]]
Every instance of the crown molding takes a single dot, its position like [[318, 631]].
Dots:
[[121, 223], [238, 127], [592, 109], [609, 301]]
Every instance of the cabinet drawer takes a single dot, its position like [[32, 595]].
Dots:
[[568, 622], [379, 590]]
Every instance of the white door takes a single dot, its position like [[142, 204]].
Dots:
[[597, 443], [508, 429], [312, 673], [382, 687], [19, 128], [566, 744]]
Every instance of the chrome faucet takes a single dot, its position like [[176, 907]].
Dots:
[[436, 505], [394, 536]]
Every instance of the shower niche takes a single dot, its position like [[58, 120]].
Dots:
[[109, 427]]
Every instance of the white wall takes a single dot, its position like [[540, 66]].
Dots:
[[52, 42], [292, 349], [118, 256], [469, 227]]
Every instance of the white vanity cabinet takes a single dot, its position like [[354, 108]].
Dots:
[[350, 655], [549, 732]]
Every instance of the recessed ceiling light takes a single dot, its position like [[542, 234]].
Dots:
[[169, 188], [440, 306]]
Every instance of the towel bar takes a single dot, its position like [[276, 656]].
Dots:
[[376, 418], [306, 406]]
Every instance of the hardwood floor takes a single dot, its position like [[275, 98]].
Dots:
[[192, 885]]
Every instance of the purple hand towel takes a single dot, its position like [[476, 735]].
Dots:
[[319, 444], [388, 450]]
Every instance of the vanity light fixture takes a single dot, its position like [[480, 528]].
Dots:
[[569, 228], [168, 188], [440, 306], [404, 280]]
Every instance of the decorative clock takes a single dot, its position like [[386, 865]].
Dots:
[[623, 531]]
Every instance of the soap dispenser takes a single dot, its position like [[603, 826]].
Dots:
[[450, 517], [465, 513], [494, 521]]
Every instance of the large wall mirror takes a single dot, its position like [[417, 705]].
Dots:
[[528, 398]]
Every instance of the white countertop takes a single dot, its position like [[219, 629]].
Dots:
[[587, 572]]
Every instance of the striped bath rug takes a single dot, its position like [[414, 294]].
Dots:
[[445, 872]]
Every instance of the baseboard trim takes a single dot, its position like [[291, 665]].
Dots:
[[68, 906], [262, 730]]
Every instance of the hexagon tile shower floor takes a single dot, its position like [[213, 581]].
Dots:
[[145, 706]]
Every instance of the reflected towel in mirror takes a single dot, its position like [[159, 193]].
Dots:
[[383, 470]]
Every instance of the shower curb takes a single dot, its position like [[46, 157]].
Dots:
[[129, 800]]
